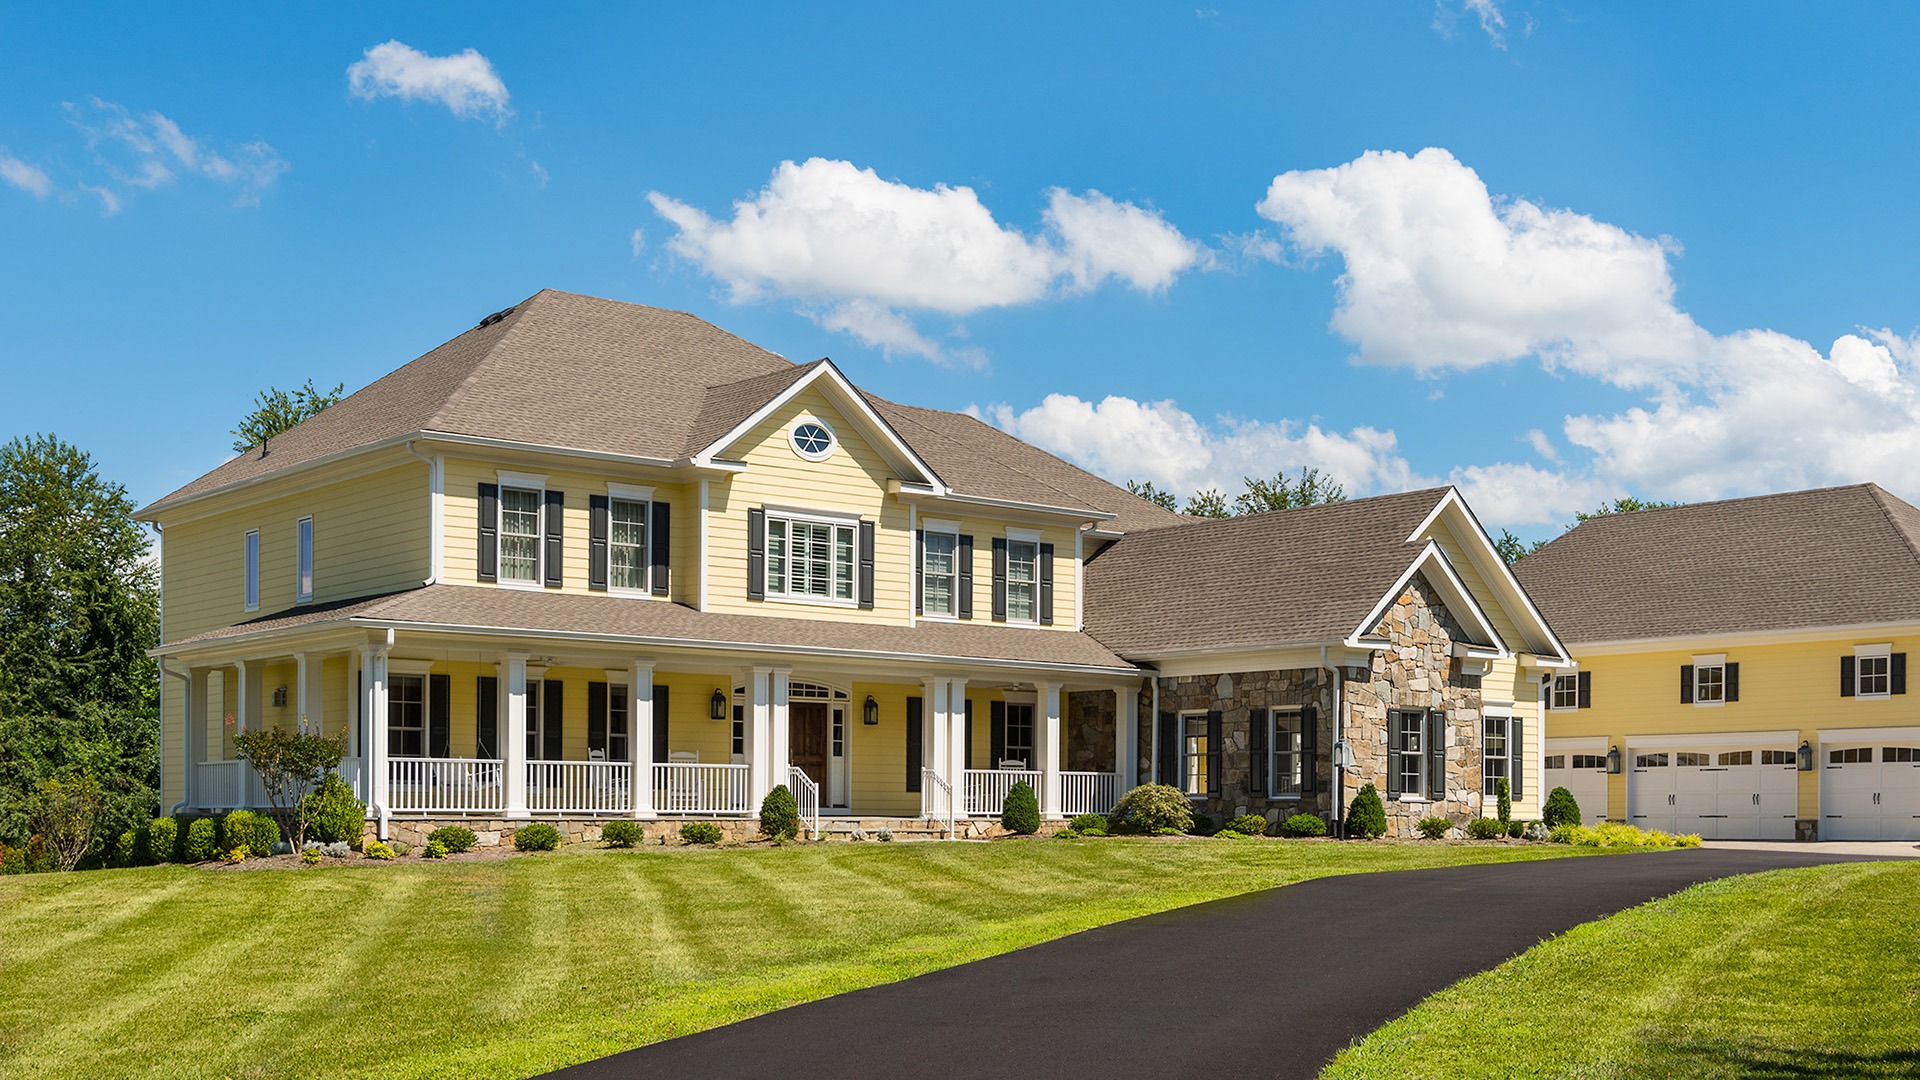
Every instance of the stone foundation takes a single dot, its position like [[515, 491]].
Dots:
[[1234, 696], [495, 831]]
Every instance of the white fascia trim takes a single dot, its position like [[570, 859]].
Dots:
[[1714, 739], [1430, 555], [1868, 734], [875, 422], [1838, 635], [151, 511], [1491, 557], [1097, 533], [1586, 745], [1073, 513], [563, 451]]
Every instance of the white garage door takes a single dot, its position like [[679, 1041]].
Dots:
[[1722, 793], [1582, 774], [1870, 792]]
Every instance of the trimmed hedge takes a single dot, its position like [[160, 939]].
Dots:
[[455, 838], [163, 840], [1152, 809], [539, 836], [1618, 835], [701, 832], [1561, 809], [1021, 812], [1367, 816], [244, 829], [203, 840], [1300, 825]]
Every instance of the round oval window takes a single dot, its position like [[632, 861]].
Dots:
[[812, 441]]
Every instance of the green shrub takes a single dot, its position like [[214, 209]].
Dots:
[[1203, 824], [455, 838], [1618, 835], [1434, 828], [401, 849], [1504, 793], [1232, 834], [376, 849], [701, 832], [203, 840], [1247, 825], [1021, 812], [1152, 809], [780, 814], [1089, 824], [1561, 808], [132, 848], [333, 814], [1535, 830], [435, 850], [12, 860], [1486, 829], [539, 836], [1304, 825], [163, 840], [311, 856], [1516, 829], [1367, 815], [621, 833], [257, 833]]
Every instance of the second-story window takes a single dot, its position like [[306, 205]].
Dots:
[[250, 588], [1023, 576], [937, 574], [304, 544], [810, 559], [519, 534], [627, 544]]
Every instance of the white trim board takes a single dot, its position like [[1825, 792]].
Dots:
[[851, 401], [1463, 601], [1490, 559], [1868, 734], [1583, 745], [1715, 739]]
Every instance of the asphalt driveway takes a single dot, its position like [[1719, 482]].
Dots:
[[1270, 984]]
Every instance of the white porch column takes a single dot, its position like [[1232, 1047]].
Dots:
[[248, 712], [1049, 694], [779, 730], [640, 727], [373, 706], [301, 702], [758, 743], [196, 733], [936, 743], [957, 743], [514, 677], [1126, 737]]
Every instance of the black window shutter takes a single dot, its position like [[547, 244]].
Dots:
[[489, 532], [999, 579], [486, 717], [439, 714], [1396, 742], [1436, 755], [963, 577], [659, 544], [915, 748], [1897, 673], [1214, 756], [1309, 750], [1846, 676], [599, 519], [553, 694], [1169, 763], [556, 518], [866, 565], [1046, 584], [1517, 757], [1257, 723], [659, 723], [597, 716], [756, 554], [1585, 684], [1686, 684], [920, 571], [1733, 682], [996, 733], [967, 706]]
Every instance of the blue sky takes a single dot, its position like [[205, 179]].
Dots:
[[1554, 253]]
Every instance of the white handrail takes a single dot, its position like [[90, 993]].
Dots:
[[580, 787], [1088, 792], [929, 780], [446, 785], [806, 795], [693, 788], [985, 790]]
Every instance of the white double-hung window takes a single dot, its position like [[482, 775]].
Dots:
[[520, 534], [1023, 580], [939, 563], [627, 544], [1284, 747], [810, 558]]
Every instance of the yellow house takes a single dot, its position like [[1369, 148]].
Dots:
[[1742, 666], [591, 558]]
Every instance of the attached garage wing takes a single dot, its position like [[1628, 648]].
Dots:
[[1719, 788]]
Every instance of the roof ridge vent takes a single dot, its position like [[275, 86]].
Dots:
[[495, 317]]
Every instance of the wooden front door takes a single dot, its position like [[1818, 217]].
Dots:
[[807, 732]]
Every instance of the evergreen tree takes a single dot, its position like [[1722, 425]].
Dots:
[[276, 410]]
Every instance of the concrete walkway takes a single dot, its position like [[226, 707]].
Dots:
[[1869, 849], [1270, 984]]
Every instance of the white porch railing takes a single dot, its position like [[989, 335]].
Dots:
[[580, 787], [447, 785], [1088, 792], [350, 771], [227, 785], [806, 794], [693, 788], [936, 799], [986, 789]]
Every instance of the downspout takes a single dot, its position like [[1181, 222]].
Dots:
[[186, 736], [436, 511], [1154, 725], [1339, 738]]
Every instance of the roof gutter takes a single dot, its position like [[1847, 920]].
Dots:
[[1076, 513]]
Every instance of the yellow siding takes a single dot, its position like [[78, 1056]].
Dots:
[[1506, 681], [1788, 687], [370, 535], [173, 710], [983, 531]]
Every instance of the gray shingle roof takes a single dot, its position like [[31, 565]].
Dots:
[[458, 607], [1829, 557], [1292, 576]]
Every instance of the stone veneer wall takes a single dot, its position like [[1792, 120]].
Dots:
[[1418, 670], [1234, 695], [1090, 731]]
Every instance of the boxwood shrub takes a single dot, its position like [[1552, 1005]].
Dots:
[[1089, 824], [455, 838], [538, 836], [1246, 825], [780, 814], [1486, 828], [1152, 809], [376, 849], [244, 829], [1021, 812], [1367, 816], [1561, 809], [203, 840], [701, 832], [334, 814], [620, 833], [163, 840], [1304, 825], [1434, 828]]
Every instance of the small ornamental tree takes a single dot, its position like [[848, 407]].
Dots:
[[63, 815], [1152, 809], [1561, 809], [1021, 812], [1367, 816], [291, 765], [1504, 792], [780, 814]]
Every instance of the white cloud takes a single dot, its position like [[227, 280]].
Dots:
[[464, 82], [638, 241], [1510, 493], [28, 178], [1487, 12], [857, 252], [149, 150]]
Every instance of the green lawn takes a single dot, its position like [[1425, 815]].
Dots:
[[1793, 973], [509, 967]]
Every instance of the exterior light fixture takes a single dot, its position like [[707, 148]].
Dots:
[[870, 712], [1806, 756], [1613, 761], [1343, 755], [717, 708], [279, 697]]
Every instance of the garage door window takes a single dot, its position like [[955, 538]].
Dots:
[[1687, 759], [1589, 761], [1892, 754], [1852, 755], [1555, 761], [1737, 757], [1649, 761], [1779, 757]]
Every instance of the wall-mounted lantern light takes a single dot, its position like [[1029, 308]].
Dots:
[[870, 712], [279, 697], [1613, 761], [1806, 756], [717, 708]]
